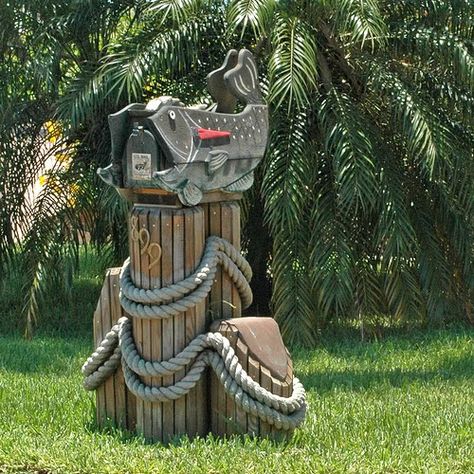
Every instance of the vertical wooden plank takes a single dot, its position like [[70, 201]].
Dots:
[[202, 388], [231, 413], [144, 238], [234, 210], [131, 410], [199, 243], [253, 423], [226, 310], [179, 323], [215, 296], [277, 390], [226, 282], [224, 419], [206, 209], [98, 336], [156, 327], [135, 272], [120, 387], [241, 351], [213, 401], [106, 325], [215, 310], [191, 409], [167, 340], [265, 382]]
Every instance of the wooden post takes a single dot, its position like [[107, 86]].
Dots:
[[166, 246], [114, 403], [222, 219], [228, 419]]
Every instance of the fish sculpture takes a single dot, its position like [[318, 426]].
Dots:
[[193, 150]]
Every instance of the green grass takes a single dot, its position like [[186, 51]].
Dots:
[[405, 404]]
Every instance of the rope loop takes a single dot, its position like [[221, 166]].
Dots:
[[162, 303], [210, 349]]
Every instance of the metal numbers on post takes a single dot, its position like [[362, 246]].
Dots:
[[152, 249]]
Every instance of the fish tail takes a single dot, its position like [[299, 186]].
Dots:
[[242, 80]]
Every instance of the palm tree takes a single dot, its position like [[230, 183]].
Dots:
[[367, 183]]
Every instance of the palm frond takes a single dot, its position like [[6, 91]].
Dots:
[[427, 139], [445, 15], [242, 14], [175, 12], [362, 22], [445, 50], [348, 144], [332, 257], [293, 302], [129, 67], [398, 242], [287, 172], [292, 67]]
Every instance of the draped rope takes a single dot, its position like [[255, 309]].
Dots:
[[161, 303], [210, 349]]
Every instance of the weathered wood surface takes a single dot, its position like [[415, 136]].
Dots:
[[166, 245], [223, 220], [114, 403], [161, 197], [226, 417], [179, 234]]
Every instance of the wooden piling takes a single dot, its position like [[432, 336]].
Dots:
[[114, 403], [166, 246]]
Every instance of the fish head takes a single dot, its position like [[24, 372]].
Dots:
[[175, 134]]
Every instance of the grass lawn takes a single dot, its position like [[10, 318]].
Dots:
[[405, 404]]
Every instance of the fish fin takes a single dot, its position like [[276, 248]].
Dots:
[[168, 177], [241, 184], [190, 194], [107, 175], [225, 100], [215, 160], [242, 80]]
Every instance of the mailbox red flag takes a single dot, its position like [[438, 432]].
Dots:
[[207, 134]]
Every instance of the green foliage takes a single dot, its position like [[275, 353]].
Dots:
[[374, 147], [368, 180]]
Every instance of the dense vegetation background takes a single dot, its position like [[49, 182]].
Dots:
[[363, 207]]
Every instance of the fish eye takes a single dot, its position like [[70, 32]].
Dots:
[[171, 114]]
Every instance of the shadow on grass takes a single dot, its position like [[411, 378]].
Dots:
[[399, 340], [44, 355], [324, 381], [177, 441]]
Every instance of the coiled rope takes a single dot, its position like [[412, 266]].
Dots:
[[210, 349], [160, 303]]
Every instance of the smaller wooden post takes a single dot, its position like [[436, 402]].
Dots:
[[114, 402], [227, 418]]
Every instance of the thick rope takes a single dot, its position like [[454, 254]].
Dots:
[[211, 349], [251, 406], [160, 303], [210, 340], [284, 413]]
